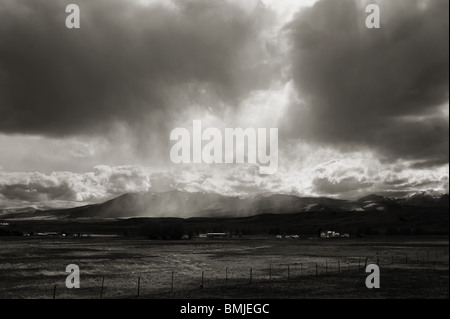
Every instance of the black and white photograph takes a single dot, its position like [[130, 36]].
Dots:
[[224, 154]]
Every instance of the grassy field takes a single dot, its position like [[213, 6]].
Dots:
[[411, 267]]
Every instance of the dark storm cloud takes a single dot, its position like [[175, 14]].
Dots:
[[375, 88], [123, 64]]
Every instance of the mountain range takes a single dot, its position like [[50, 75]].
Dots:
[[183, 204]]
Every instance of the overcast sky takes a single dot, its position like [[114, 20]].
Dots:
[[86, 114]]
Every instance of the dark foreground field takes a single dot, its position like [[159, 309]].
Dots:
[[411, 267]]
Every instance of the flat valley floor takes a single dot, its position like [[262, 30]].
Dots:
[[410, 267]]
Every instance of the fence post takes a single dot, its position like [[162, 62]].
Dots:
[[251, 275], [54, 292], [226, 276], [289, 275], [101, 290], [203, 275], [365, 262], [270, 271], [139, 286]]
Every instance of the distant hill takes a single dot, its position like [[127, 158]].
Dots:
[[407, 220]]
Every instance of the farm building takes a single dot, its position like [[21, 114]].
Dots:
[[333, 234], [329, 234]]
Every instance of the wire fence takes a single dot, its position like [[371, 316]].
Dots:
[[161, 281]]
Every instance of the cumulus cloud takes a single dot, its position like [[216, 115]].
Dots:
[[102, 183], [350, 176]]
